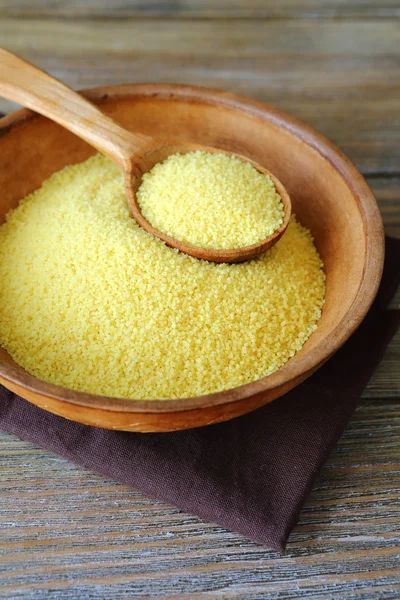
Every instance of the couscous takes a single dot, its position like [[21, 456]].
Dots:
[[92, 302], [215, 200]]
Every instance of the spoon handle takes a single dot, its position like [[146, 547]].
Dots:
[[31, 87]]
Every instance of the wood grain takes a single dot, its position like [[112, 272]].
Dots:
[[204, 9], [386, 380], [79, 535], [341, 77], [387, 193]]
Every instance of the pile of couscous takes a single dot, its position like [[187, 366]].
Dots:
[[92, 302], [215, 201]]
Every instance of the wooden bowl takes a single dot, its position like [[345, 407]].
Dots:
[[329, 196]]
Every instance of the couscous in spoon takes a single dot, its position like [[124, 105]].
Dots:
[[135, 154]]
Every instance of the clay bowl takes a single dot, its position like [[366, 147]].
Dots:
[[329, 196]]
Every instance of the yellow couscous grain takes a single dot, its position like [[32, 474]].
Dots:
[[90, 301], [211, 200]]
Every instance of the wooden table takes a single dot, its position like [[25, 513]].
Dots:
[[67, 533]]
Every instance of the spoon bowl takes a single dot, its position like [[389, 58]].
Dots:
[[144, 163], [135, 154]]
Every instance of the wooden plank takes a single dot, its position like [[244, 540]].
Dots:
[[204, 9], [386, 380], [340, 77], [387, 193], [241, 39], [77, 534]]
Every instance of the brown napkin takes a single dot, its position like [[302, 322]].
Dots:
[[251, 474]]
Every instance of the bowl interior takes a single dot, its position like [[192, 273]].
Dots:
[[323, 199]]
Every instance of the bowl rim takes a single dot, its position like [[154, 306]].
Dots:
[[297, 367]]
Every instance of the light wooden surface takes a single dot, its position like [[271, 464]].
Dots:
[[65, 533], [76, 535]]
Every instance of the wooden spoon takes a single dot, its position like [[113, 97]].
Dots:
[[134, 153]]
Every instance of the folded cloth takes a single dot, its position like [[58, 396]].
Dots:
[[251, 474]]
